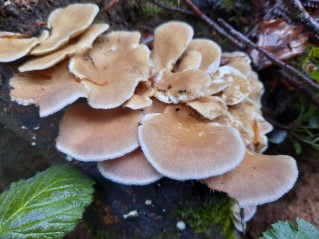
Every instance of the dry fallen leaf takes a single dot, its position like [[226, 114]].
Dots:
[[284, 41]]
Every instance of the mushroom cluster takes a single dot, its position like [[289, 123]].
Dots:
[[181, 109]]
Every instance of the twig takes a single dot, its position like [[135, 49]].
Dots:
[[303, 16], [300, 81], [303, 79], [197, 12]]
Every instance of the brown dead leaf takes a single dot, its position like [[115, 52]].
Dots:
[[279, 38]]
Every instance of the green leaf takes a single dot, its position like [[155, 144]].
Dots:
[[47, 206], [297, 147], [315, 74], [287, 230]]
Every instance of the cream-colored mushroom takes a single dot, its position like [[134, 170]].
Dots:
[[181, 86], [51, 89], [112, 69], [88, 134], [210, 51], [258, 179], [182, 147], [130, 169], [238, 60], [171, 39], [84, 42], [142, 96], [13, 46], [209, 107], [257, 89], [239, 88], [66, 23], [191, 60]]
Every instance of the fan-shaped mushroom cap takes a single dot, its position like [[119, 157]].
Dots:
[[114, 57], [66, 23], [182, 147], [85, 41], [190, 61], [257, 88], [209, 107], [131, 169], [170, 41], [238, 60], [182, 86], [94, 135], [258, 179], [12, 48], [51, 89], [210, 51], [239, 88], [217, 84], [112, 74], [141, 98]]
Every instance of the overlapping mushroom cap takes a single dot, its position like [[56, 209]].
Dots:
[[182, 110]]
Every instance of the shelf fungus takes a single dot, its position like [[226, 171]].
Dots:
[[182, 109]]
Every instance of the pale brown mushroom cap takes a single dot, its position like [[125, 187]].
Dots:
[[239, 88], [182, 86], [66, 23], [114, 56], [182, 147], [88, 134], [238, 60], [131, 169], [217, 84], [170, 41], [209, 107], [112, 74], [258, 179], [191, 60], [12, 49], [51, 89], [142, 96], [257, 88], [210, 51], [85, 41]]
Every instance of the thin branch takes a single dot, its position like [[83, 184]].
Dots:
[[297, 79], [300, 13], [198, 13], [303, 79]]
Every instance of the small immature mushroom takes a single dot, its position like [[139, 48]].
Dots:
[[88, 134], [171, 39], [191, 60], [51, 89], [112, 69], [182, 86], [84, 42], [258, 179], [141, 98], [130, 169], [239, 88], [248, 213], [64, 27], [209, 107], [13, 46], [210, 51], [182, 147]]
